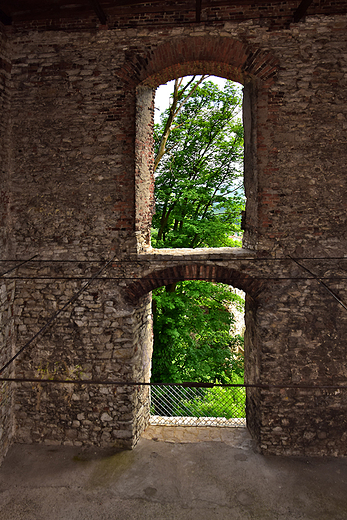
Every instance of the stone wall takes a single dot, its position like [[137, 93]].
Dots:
[[177, 13], [81, 191], [5, 71], [7, 290], [74, 121], [5, 148], [96, 338], [6, 287]]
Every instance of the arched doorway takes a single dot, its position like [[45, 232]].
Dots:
[[138, 291]]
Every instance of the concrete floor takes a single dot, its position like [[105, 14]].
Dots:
[[170, 481]]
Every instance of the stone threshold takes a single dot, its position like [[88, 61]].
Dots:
[[237, 437]]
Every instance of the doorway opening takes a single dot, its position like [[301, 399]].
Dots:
[[198, 355]]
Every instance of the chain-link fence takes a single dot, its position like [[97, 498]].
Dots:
[[198, 406]]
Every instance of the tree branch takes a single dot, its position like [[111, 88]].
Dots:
[[173, 112]]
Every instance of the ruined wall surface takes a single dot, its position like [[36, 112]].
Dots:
[[7, 291], [272, 15], [96, 339], [74, 125], [5, 72], [6, 287], [75, 155], [73, 137]]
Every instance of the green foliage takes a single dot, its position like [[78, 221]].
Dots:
[[191, 328], [228, 402], [198, 189], [199, 199], [216, 402]]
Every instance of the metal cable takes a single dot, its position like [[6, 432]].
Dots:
[[55, 315], [186, 384], [321, 282], [124, 278], [139, 260], [16, 266]]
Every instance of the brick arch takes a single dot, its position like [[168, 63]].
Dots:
[[197, 271], [180, 56], [219, 56]]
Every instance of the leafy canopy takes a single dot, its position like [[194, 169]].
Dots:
[[191, 328], [198, 188]]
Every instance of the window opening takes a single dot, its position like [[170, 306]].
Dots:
[[199, 193]]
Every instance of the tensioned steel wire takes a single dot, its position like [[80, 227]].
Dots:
[[320, 280], [196, 404], [176, 260], [106, 382], [22, 262], [154, 253]]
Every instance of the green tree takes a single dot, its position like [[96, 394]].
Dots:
[[199, 198], [199, 147], [192, 339]]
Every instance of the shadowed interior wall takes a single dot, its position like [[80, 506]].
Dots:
[[7, 287], [81, 192]]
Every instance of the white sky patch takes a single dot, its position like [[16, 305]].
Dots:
[[163, 98], [162, 95]]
